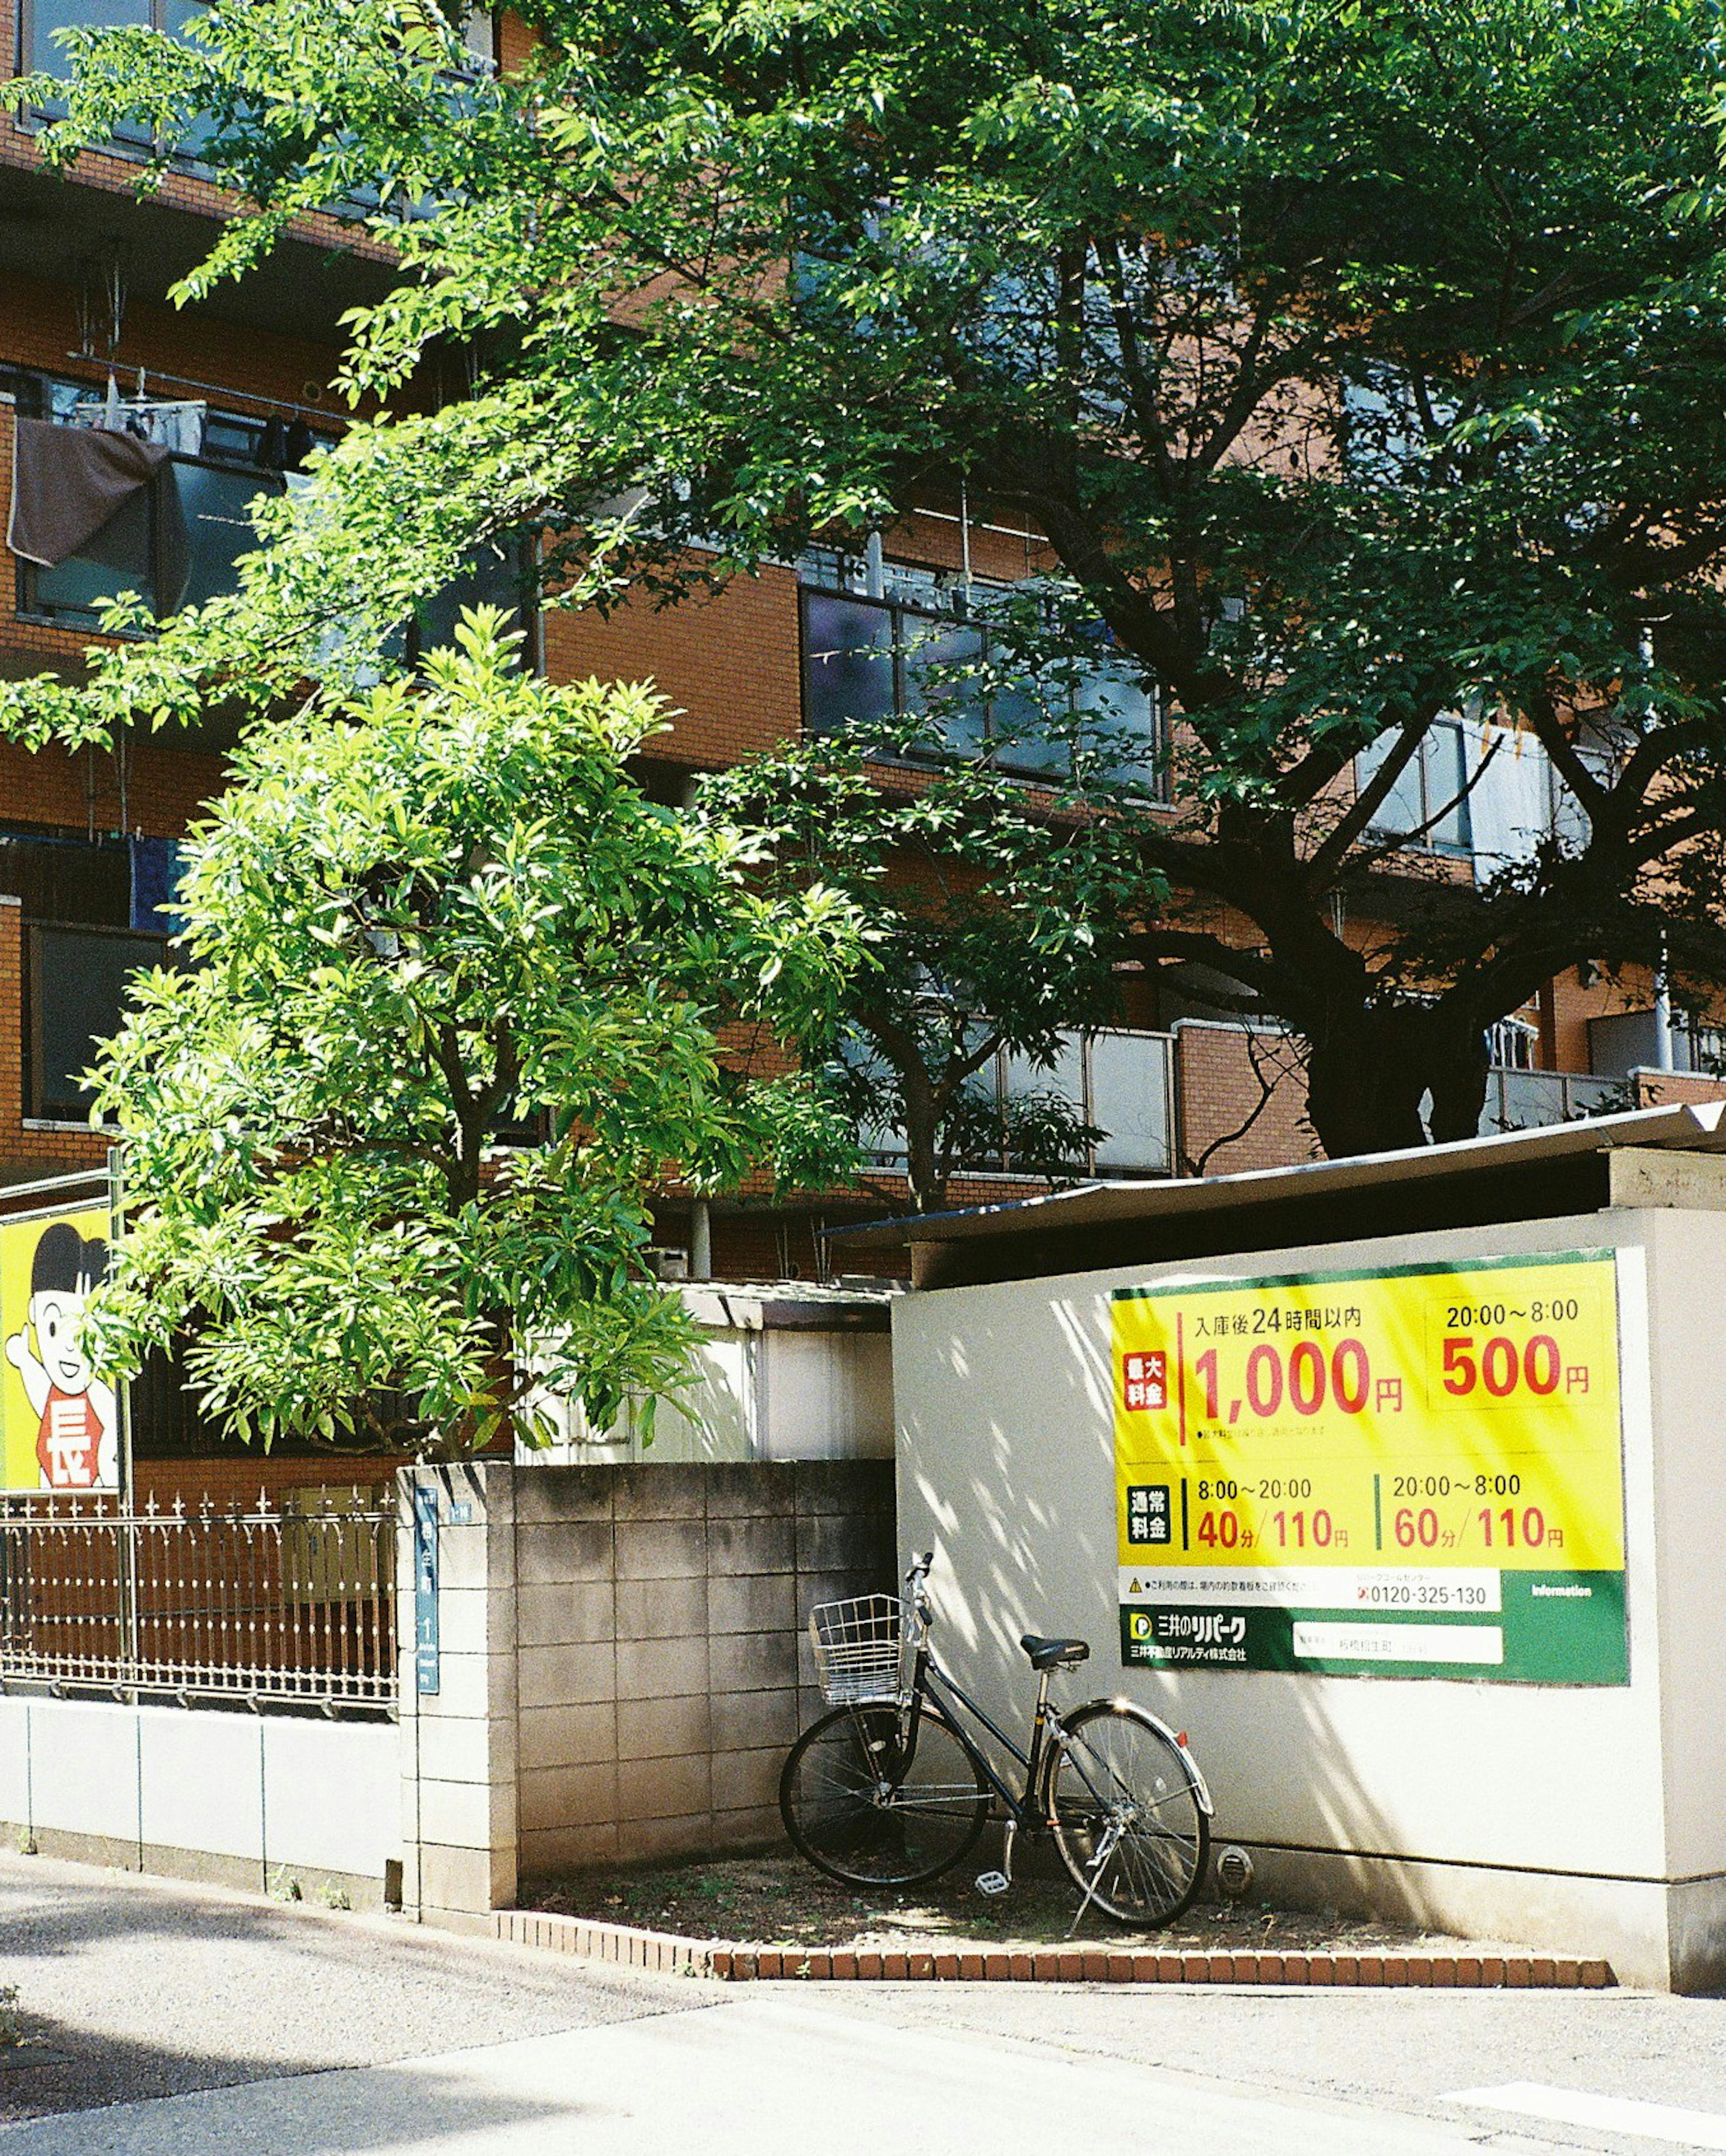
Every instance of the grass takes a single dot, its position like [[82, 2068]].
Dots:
[[779, 1900]]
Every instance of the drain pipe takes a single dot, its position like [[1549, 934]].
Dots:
[[1662, 996], [701, 1219], [701, 1240], [1662, 1017]]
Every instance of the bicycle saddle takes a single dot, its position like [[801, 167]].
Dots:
[[1054, 1653]]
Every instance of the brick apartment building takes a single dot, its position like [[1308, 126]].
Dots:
[[237, 390]]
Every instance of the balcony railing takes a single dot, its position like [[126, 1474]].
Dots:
[[1118, 1082], [1530, 1099]]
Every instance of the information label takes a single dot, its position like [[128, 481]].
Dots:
[[1411, 1472]]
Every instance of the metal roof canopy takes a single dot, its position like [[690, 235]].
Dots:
[[1560, 1169]]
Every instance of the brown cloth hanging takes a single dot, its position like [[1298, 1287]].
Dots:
[[68, 481]]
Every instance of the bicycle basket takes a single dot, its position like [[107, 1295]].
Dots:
[[856, 1646]]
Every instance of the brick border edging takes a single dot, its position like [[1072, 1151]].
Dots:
[[634, 1948]]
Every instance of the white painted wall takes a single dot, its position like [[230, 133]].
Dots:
[[825, 1396], [276, 1791], [1006, 1469], [760, 1393]]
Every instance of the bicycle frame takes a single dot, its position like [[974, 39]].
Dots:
[[929, 1680]]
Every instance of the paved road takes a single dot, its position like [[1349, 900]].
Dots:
[[199, 2024]]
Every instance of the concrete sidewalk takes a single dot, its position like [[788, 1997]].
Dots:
[[196, 2023], [746, 2076], [150, 1988]]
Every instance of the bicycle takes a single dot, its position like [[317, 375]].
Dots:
[[890, 1789]]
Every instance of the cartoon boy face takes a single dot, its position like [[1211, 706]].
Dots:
[[77, 1439], [55, 1315]]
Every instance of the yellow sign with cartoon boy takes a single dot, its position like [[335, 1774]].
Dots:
[[59, 1421]]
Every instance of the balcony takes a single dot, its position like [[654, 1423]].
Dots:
[[178, 541]]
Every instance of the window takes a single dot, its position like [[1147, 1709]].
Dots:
[[1426, 802], [76, 987], [479, 34], [40, 47], [498, 575], [869, 658], [41, 52]]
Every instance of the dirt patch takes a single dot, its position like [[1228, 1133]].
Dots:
[[779, 1900]]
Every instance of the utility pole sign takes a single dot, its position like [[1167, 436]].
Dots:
[[1412, 1472]]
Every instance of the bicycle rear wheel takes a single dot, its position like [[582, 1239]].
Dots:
[[865, 1807], [1125, 1814]]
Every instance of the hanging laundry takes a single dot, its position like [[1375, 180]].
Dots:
[[66, 482], [173, 544], [272, 449], [179, 425], [176, 422], [156, 866]]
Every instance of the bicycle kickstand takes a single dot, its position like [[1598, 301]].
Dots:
[[1098, 1864]]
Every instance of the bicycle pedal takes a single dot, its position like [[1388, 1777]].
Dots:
[[993, 1883]]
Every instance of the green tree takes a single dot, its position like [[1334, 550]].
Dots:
[[1364, 365], [448, 1011], [992, 928]]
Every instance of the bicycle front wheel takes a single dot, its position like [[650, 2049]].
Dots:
[[1125, 1814], [869, 1803]]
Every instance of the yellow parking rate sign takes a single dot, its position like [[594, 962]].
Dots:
[[1413, 1471]]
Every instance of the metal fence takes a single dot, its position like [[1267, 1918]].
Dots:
[[265, 1603]]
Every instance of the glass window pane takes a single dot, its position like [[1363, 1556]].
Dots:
[[479, 34], [847, 662], [1025, 737], [177, 17], [1402, 809], [218, 527], [78, 986], [882, 1142], [938, 656], [1120, 711], [47, 55], [1446, 757], [492, 578], [1129, 1099]]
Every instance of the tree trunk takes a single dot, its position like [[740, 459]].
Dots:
[[922, 1124], [1370, 1077]]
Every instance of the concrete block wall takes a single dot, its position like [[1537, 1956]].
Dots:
[[623, 1662]]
